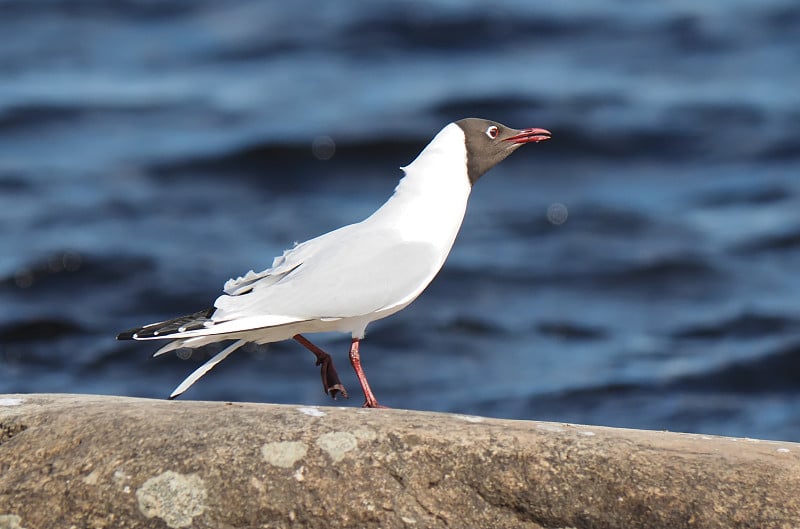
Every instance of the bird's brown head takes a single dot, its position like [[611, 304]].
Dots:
[[489, 143]]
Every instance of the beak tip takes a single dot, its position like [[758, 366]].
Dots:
[[531, 135]]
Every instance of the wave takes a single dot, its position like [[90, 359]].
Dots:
[[747, 325], [566, 330], [775, 372], [776, 242], [255, 162], [70, 270], [38, 329], [762, 195]]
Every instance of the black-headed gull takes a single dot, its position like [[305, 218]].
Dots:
[[350, 277]]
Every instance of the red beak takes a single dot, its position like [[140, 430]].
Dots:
[[530, 136]]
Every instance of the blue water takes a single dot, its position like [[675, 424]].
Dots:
[[149, 150]]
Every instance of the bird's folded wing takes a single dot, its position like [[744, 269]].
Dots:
[[283, 264], [359, 274]]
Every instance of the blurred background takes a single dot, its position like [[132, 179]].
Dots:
[[640, 269]]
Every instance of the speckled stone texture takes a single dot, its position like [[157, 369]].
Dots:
[[90, 461]]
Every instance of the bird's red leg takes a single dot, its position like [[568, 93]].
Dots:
[[355, 360], [330, 379]]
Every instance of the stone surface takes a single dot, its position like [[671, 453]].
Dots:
[[94, 461]]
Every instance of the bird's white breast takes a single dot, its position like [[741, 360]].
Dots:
[[429, 203]]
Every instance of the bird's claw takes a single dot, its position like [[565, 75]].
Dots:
[[331, 384], [373, 404], [335, 389]]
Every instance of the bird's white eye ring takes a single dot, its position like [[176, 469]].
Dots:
[[492, 132]]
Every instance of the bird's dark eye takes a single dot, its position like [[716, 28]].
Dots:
[[492, 132]]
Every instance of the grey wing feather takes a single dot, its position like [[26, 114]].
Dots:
[[337, 275], [282, 265]]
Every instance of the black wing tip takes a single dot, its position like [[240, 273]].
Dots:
[[127, 335], [165, 329]]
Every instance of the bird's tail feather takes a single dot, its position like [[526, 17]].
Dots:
[[171, 346], [197, 341], [205, 368]]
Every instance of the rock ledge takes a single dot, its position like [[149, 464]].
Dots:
[[96, 461]]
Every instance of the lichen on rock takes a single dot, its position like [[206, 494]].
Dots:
[[284, 454], [337, 444], [173, 497], [10, 521]]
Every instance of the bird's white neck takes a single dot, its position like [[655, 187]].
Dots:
[[429, 203]]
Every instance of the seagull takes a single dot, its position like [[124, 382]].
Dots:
[[347, 278]]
